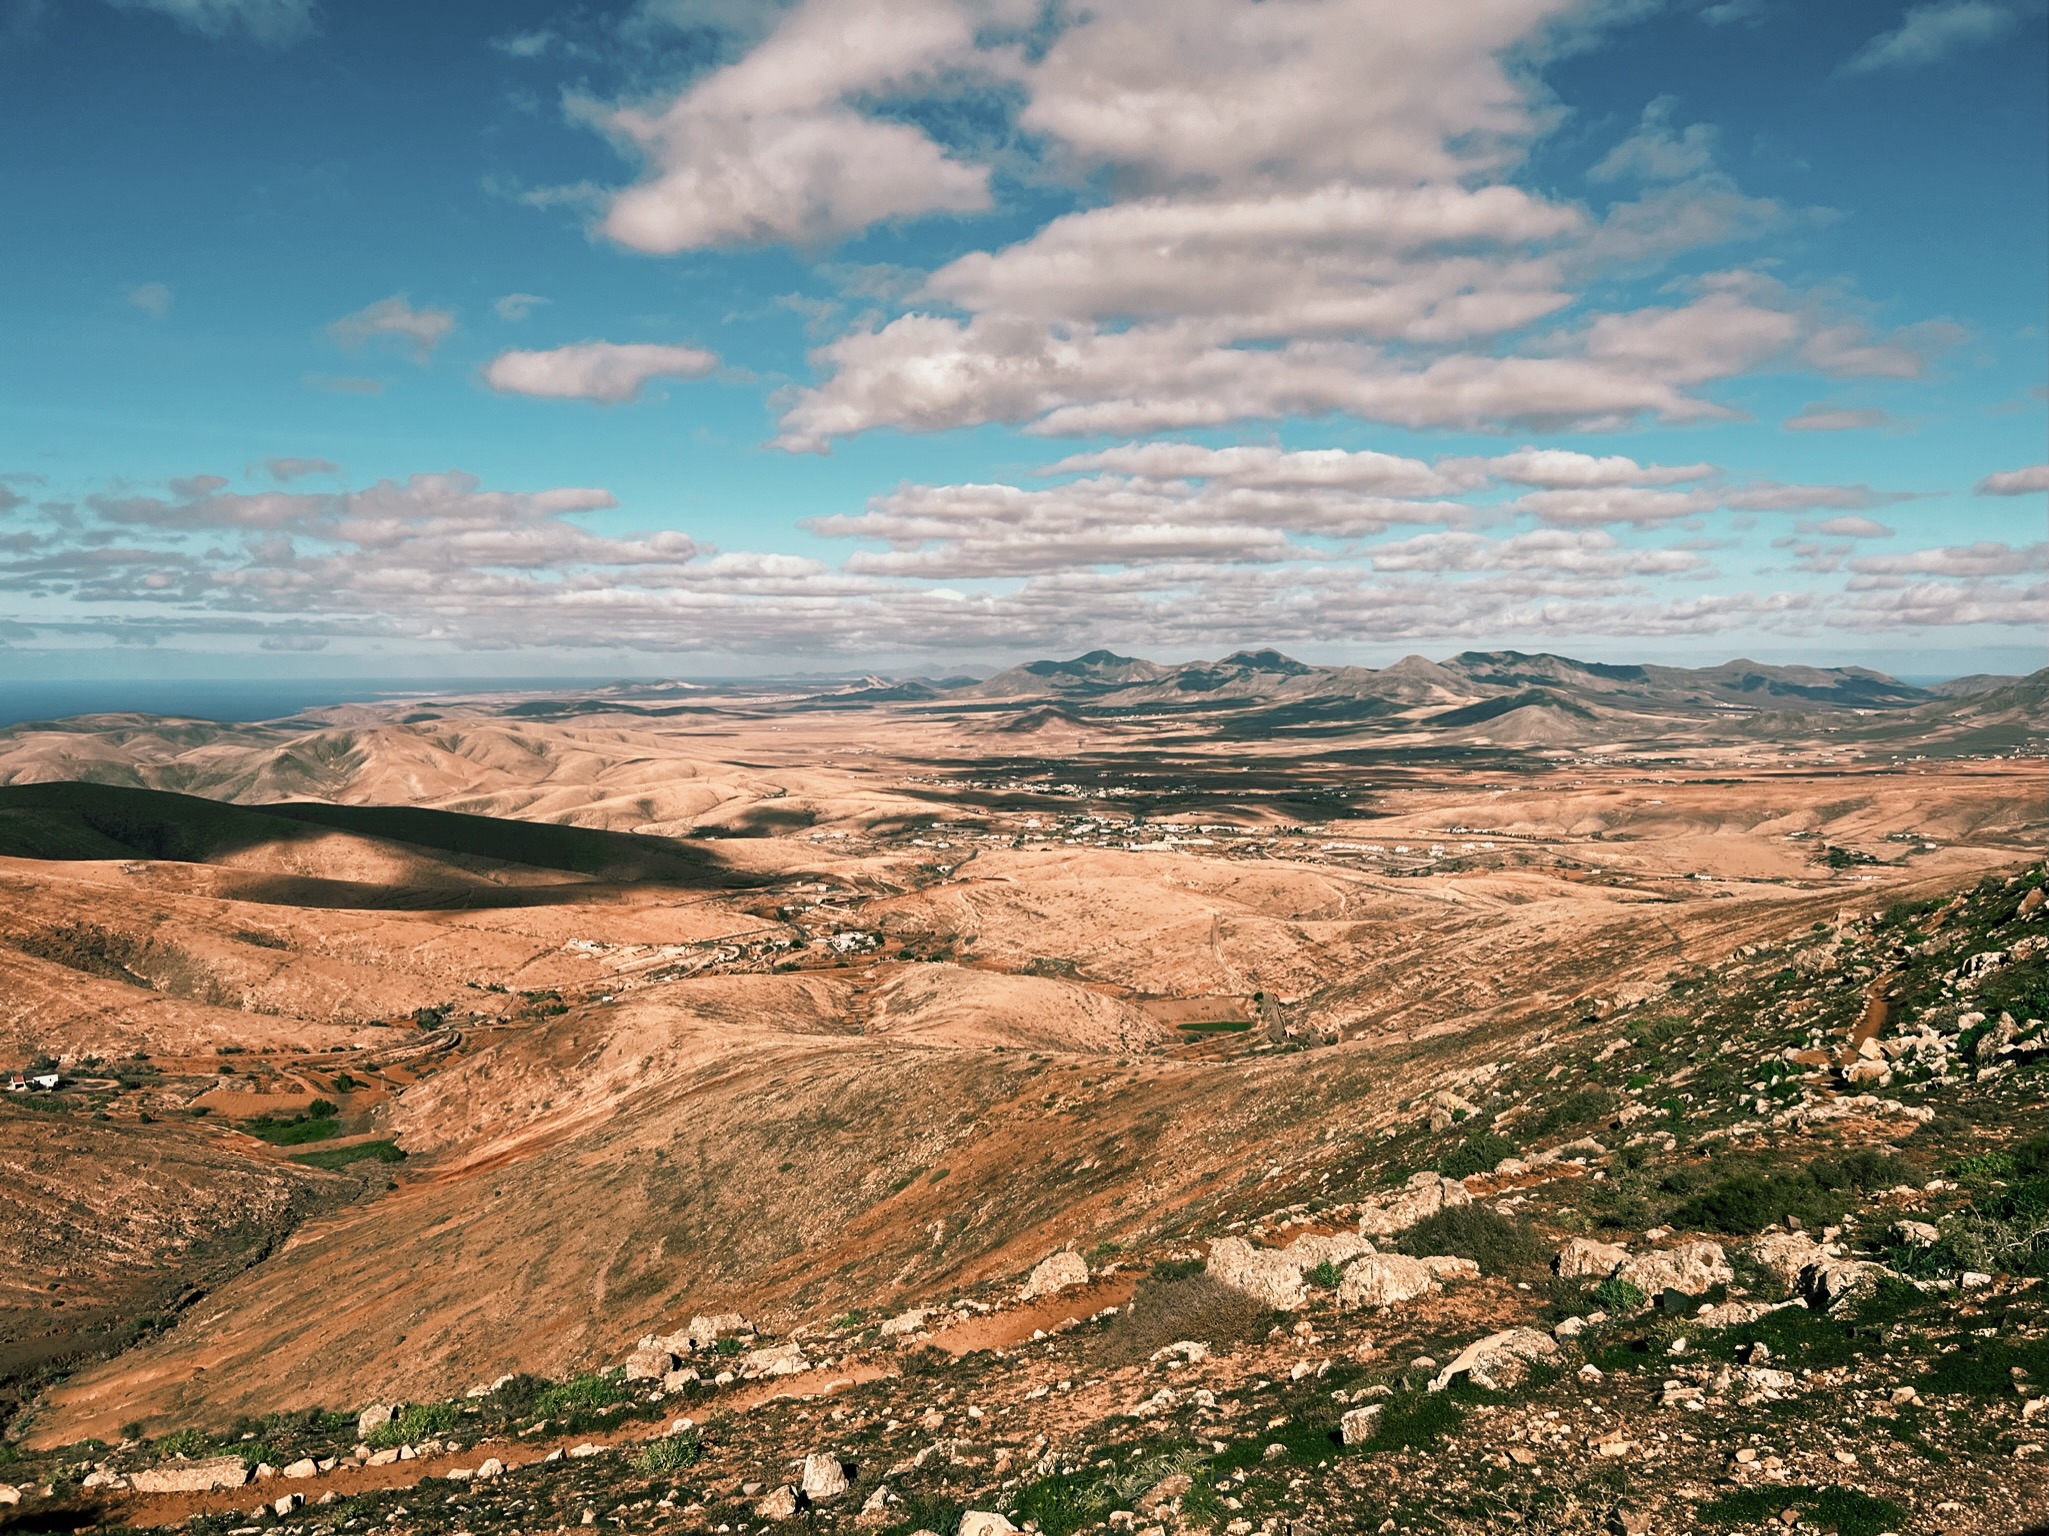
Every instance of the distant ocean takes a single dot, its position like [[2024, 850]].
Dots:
[[229, 700]]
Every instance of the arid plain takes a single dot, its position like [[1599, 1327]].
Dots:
[[413, 1048]]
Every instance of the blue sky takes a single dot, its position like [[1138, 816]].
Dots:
[[687, 336]]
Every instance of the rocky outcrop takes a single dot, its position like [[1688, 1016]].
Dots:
[[776, 1360], [1059, 1272], [650, 1362], [1499, 1361], [822, 1479], [1424, 1195], [1449, 1267], [1584, 1259], [1384, 1280], [905, 1323], [1264, 1273], [1339, 1248], [1782, 1255], [191, 1476], [1690, 1269], [1832, 1282], [1358, 1424]]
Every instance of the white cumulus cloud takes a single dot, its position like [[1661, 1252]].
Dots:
[[395, 319], [2016, 482], [1931, 32], [608, 372], [774, 147]]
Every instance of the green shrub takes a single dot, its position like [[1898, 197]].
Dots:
[[2031, 1157], [1746, 1201], [1062, 1504], [1619, 1296], [1478, 1153], [1415, 1419], [1985, 1367], [183, 1442], [414, 1423], [361, 1152], [584, 1393], [926, 1512], [1164, 1312], [1584, 1108], [1843, 1510], [514, 1399], [1325, 1276], [291, 1133], [1499, 1244], [672, 1453]]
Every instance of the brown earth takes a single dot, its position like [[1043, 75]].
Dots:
[[642, 1099]]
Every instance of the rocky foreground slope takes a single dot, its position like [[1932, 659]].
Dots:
[[1764, 1249]]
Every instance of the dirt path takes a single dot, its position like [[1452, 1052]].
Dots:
[[999, 1330], [1872, 1024]]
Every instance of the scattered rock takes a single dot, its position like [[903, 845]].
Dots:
[[980, 1522], [1058, 1272], [1920, 1233], [287, 1504], [876, 1511], [375, 1417], [303, 1467], [906, 1322]]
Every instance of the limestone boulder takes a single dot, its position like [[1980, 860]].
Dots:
[[1424, 1195], [1499, 1361], [1830, 1283], [1584, 1259], [1690, 1269], [1359, 1424], [1384, 1280], [1338, 1248], [201, 1476], [1447, 1267], [780, 1504], [1058, 1272], [1263, 1273], [650, 1362], [823, 1478]]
